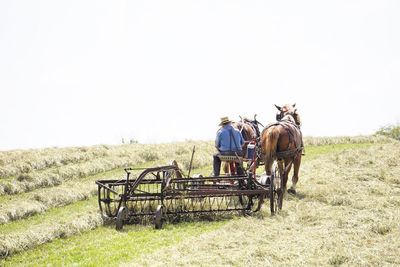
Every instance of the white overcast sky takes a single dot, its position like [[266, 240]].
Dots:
[[89, 72]]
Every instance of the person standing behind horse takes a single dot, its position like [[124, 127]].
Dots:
[[229, 141]]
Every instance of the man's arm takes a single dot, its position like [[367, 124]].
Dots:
[[241, 139], [218, 140]]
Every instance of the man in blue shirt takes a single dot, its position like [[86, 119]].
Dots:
[[229, 141]]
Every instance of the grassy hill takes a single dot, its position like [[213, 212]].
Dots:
[[347, 210]]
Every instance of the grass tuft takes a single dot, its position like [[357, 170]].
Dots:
[[338, 260], [382, 228]]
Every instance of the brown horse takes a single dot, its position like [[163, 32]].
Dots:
[[282, 141]]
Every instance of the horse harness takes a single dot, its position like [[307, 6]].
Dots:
[[290, 128]]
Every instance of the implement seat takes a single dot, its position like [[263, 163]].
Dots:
[[232, 162]]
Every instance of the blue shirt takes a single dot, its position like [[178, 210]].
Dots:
[[225, 141]]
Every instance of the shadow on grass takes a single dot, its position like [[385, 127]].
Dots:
[[298, 195], [176, 219]]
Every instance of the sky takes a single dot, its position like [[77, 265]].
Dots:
[[75, 73]]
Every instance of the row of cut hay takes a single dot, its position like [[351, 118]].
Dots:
[[361, 139], [57, 176], [46, 232], [132, 155], [16, 207], [15, 162]]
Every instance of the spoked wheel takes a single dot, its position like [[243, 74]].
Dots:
[[276, 199], [158, 218], [109, 202], [273, 196], [121, 217]]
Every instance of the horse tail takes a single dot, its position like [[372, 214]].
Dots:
[[270, 142]]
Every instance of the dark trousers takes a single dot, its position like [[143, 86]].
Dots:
[[217, 162]]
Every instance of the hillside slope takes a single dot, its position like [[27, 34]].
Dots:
[[346, 212]]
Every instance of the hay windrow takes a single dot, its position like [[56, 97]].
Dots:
[[39, 201], [124, 157], [11, 244]]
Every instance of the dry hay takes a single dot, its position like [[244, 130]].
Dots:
[[347, 212], [128, 155]]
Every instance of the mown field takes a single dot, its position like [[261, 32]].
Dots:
[[346, 212]]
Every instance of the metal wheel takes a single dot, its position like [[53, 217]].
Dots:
[[273, 196], [110, 202], [158, 220], [121, 217]]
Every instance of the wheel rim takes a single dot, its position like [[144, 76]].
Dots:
[[121, 216], [272, 195], [277, 190], [158, 217]]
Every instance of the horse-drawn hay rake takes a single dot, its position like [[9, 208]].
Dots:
[[162, 192]]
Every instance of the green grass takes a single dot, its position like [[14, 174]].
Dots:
[[14, 207], [314, 151], [105, 246], [51, 217]]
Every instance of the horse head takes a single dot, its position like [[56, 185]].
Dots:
[[246, 129], [249, 128], [254, 123], [288, 112]]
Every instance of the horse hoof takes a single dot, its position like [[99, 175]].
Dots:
[[292, 191]]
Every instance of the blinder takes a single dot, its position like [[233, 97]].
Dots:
[[279, 116]]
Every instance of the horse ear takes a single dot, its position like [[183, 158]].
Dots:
[[278, 107], [294, 105]]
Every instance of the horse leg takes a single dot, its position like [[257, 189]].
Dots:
[[283, 177], [295, 177]]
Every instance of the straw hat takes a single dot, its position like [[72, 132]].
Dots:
[[224, 120]]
